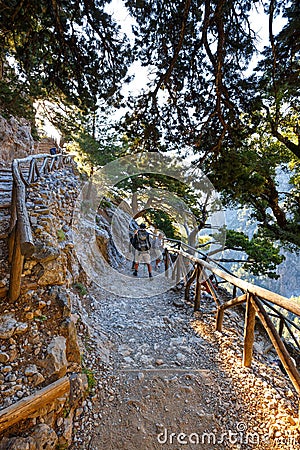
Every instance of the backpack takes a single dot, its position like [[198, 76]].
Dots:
[[141, 241]]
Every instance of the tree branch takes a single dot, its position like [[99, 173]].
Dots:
[[165, 77]]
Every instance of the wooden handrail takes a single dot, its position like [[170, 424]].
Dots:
[[21, 243], [255, 298], [278, 344], [277, 299], [25, 408], [21, 216]]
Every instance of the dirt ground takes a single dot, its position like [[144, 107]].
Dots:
[[162, 378]]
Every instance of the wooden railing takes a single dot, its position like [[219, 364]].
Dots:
[[28, 406], [259, 303], [20, 244]]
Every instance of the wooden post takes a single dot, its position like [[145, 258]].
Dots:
[[13, 208], [52, 163], [45, 166], [211, 288], [221, 309], [270, 296], [16, 268], [23, 227], [219, 319], [173, 274], [37, 171], [11, 244], [197, 299], [277, 342], [281, 326], [249, 332], [166, 262], [31, 177], [189, 283], [234, 291]]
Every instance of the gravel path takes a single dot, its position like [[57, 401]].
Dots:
[[165, 379]]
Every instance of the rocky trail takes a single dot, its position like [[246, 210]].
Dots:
[[161, 377]]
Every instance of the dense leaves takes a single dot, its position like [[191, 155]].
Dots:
[[161, 221], [244, 126], [64, 51], [211, 92], [261, 256], [197, 52]]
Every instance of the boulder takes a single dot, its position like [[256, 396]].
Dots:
[[72, 347], [56, 360], [7, 326], [20, 443], [44, 437], [10, 326], [54, 271]]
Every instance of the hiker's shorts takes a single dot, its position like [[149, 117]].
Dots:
[[143, 257], [157, 254]]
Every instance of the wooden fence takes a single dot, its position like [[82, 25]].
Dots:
[[20, 243], [259, 303], [28, 406]]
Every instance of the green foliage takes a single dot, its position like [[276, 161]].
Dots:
[[244, 129], [179, 43], [262, 256], [70, 53], [257, 176], [161, 220], [105, 203], [62, 446], [61, 236], [66, 410], [14, 100], [94, 151], [90, 378], [41, 318], [80, 288]]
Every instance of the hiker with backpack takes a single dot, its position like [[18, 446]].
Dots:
[[132, 249], [141, 242]]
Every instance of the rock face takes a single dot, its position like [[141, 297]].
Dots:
[[56, 357], [43, 437], [15, 139]]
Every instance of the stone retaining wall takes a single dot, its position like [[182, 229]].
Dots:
[[39, 340]]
